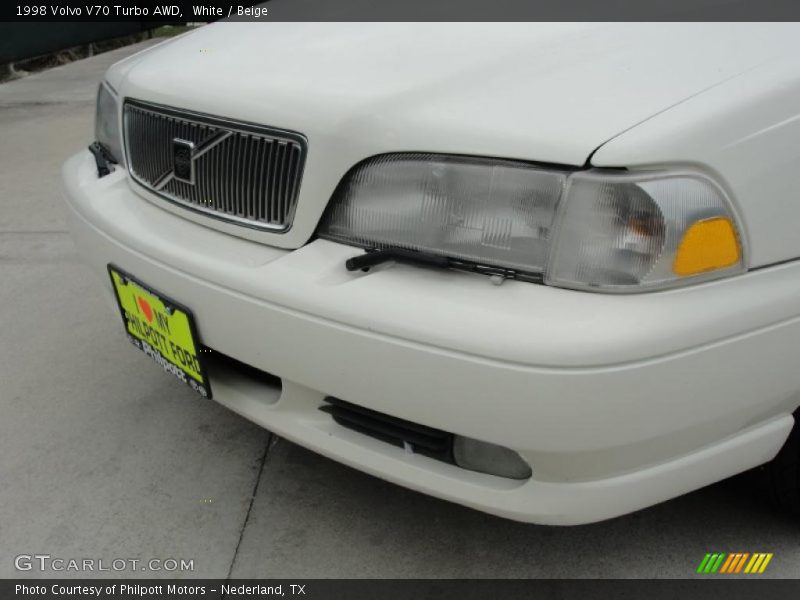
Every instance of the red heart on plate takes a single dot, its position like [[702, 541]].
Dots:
[[145, 307]]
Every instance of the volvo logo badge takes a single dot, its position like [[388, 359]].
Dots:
[[183, 160], [185, 155]]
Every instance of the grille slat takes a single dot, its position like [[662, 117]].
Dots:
[[204, 169], [215, 194], [293, 172], [250, 177], [237, 178], [257, 175], [251, 172], [224, 183], [269, 168], [282, 163]]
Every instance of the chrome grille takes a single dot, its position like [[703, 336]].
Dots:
[[243, 173]]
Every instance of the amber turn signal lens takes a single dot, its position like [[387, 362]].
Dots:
[[707, 245]]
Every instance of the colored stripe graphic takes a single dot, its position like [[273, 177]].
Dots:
[[727, 564], [711, 562], [764, 564], [759, 563], [733, 563], [754, 563], [734, 560], [718, 563], [703, 563], [742, 560]]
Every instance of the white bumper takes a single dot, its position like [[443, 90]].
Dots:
[[616, 402]]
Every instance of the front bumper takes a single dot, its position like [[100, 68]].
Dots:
[[616, 402]]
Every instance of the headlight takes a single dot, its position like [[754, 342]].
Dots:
[[596, 230], [106, 124], [486, 211]]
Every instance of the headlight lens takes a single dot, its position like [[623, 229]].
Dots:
[[595, 230], [492, 212], [106, 124]]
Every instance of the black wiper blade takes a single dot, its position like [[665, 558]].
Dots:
[[373, 258]]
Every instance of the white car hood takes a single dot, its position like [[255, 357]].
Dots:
[[544, 92]]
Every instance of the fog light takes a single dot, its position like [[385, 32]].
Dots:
[[489, 458]]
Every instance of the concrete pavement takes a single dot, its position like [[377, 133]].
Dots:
[[97, 457], [104, 456]]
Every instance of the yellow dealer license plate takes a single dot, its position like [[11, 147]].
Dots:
[[161, 328]]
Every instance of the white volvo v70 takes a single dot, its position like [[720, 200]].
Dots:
[[547, 271]]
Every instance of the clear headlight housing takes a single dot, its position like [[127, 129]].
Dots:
[[599, 230], [481, 210], [106, 123]]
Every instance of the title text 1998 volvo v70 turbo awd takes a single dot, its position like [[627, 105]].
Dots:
[[546, 271]]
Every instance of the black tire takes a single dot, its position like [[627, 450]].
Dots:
[[781, 477]]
